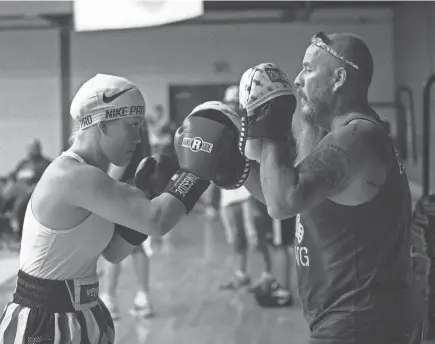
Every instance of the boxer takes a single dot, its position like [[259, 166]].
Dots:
[[69, 222], [349, 191]]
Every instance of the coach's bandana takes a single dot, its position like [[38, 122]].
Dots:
[[262, 83]]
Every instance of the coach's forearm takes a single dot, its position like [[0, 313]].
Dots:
[[253, 183], [279, 179]]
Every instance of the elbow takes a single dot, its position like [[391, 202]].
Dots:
[[277, 212], [281, 210]]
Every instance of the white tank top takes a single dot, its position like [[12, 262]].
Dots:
[[63, 254]]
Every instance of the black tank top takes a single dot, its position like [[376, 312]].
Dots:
[[353, 263]]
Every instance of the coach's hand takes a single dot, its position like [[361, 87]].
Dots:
[[253, 149], [266, 96], [153, 174]]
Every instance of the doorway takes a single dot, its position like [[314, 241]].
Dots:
[[184, 98]]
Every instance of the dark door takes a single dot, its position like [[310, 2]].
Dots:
[[184, 98]]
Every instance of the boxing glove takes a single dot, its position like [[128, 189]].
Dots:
[[153, 174], [266, 96], [206, 147]]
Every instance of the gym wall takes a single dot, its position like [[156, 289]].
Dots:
[[154, 59], [414, 51]]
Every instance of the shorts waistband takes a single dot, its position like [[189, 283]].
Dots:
[[56, 296]]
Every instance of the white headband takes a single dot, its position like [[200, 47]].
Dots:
[[112, 113]]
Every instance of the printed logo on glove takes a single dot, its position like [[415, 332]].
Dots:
[[211, 131], [197, 144]]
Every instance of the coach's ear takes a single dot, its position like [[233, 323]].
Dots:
[[339, 78]]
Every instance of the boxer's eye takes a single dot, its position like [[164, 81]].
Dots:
[[136, 124]]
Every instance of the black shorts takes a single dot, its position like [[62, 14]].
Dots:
[[275, 232], [285, 231], [31, 317]]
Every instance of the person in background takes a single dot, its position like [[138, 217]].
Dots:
[[246, 221], [21, 182], [161, 131]]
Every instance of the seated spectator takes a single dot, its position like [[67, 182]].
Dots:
[[21, 182]]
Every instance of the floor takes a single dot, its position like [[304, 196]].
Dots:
[[190, 307]]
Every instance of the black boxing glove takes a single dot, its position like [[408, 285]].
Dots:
[[131, 236], [266, 96], [153, 174], [206, 146]]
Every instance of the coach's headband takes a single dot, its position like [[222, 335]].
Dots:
[[322, 41]]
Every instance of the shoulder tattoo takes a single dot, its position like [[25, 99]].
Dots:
[[328, 164]]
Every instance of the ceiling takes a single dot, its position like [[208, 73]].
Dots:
[[291, 5], [26, 15]]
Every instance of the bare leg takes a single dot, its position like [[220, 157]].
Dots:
[[112, 278], [109, 298], [283, 266], [232, 220], [141, 266]]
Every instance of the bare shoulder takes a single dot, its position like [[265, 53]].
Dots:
[[71, 179], [71, 174], [348, 153], [368, 140]]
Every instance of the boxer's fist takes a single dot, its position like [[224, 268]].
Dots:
[[153, 174], [202, 145], [207, 149], [266, 96]]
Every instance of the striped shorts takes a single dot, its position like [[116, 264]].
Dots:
[[28, 320]]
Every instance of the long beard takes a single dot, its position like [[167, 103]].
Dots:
[[308, 139]]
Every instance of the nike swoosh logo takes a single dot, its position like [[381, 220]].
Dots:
[[109, 99]]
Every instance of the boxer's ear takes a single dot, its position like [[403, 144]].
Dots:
[[339, 78]]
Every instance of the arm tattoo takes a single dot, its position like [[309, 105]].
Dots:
[[374, 185], [355, 128], [328, 165]]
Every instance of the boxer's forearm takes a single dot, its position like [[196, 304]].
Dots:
[[253, 183], [117, 249], [279, 179], [165, 212]]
